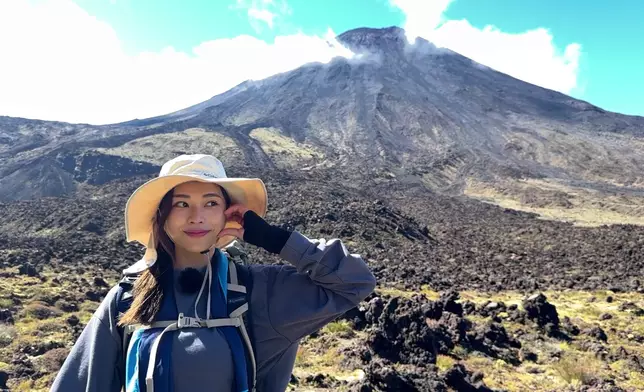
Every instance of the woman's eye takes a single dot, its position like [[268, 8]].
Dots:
[[181, 204], [212, 204]]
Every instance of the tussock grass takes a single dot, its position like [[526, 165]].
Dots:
[[585, 208], [444, 362], [7, 334], [281, 147], [154, 148], [578, 369], [342, 328]]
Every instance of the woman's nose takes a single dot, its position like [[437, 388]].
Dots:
[[196, 215]]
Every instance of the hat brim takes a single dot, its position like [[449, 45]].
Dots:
[[144, 202]]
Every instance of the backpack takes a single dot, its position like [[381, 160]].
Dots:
[[240, 285]]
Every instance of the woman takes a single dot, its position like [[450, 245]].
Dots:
[[184, 218]]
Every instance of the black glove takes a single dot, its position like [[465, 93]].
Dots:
[[260, 233]]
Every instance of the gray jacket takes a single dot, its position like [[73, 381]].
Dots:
[[287, 303]]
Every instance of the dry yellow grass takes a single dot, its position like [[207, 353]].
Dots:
[[283, 149], [586, 208], [577, 366], [159, 148]]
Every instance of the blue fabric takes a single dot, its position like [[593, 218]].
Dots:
[[132, 363], [221, 266], [163, 375], [220, 310], [163, 378]]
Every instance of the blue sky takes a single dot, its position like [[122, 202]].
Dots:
[[102, 61]]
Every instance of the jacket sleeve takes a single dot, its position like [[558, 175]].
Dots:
[[93, 363], [324, 282]]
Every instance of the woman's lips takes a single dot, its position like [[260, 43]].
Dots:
[[197, 233]]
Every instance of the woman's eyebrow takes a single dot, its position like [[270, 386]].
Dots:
[[181, 196]]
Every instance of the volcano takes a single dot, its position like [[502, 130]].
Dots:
[[439, 171]]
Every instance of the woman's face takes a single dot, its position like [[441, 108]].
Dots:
[[196, 217]]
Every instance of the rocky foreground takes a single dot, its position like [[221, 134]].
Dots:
[[395, 341], [488, 329], [413, 343]]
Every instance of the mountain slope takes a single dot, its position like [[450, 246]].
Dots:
[[378, 151], [410, 115]]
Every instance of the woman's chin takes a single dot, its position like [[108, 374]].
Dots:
[[197, 245]]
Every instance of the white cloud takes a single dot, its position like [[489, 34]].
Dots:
[[531, 56], [266, 11], [60, 63], [265, 16]]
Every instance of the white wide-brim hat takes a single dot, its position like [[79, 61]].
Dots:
[[142, 205]]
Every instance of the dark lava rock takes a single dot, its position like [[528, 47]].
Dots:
[[631, 307], [405, 333], [356, 316], [6, 316], [360, 387], [598, 349], [28, 269], [402, 334], [468, 307], [449, 331], [22, 367], [597, 386], [4, 377], [385, 377], [96, 296], [497, 335], [321, 381], [492, 339], [100, 282], [534, 370], [460, 379], [40, 348], [570, 328], [606, 316], [539, 310], [374, 310], [92, 227], [527, 355], [491, 309], [597, 333], [73, 320], [609, 299], [448, 301], [66, 306], [382, 376]]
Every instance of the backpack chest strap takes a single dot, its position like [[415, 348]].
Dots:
[[186, 322], [192, 322]]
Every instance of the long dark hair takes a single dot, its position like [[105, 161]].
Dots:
[[147, 292]]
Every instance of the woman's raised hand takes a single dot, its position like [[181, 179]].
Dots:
[[235, 213]]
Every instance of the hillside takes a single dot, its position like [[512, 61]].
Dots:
[[400, 114], [468, 193]]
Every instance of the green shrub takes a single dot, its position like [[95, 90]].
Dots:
[[6, 303], [53, 360], [342, 328], [41, 311], [7, 334], [579, 369]]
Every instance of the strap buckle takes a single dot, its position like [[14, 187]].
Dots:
[[187, 322]]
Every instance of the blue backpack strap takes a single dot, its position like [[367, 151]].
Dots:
[[235, 301], [123, 302]]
